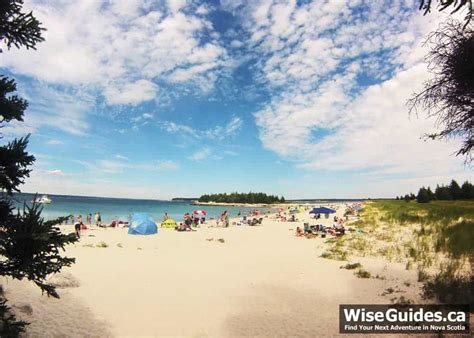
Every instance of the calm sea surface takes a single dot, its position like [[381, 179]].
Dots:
[[118, 208]]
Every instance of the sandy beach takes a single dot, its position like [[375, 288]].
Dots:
[[218, 282]]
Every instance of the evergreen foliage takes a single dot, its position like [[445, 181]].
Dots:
[[423, 196], [453, 5], [29, 246], [17, 28], [444, 193], [236, 197]]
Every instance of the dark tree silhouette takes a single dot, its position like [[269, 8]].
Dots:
[[30, 248], [454, 5], [449, 95], [236, 197], [16, 28]]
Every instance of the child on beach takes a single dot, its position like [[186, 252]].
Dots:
[[77, 227]]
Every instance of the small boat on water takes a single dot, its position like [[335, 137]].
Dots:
[[43, 200]]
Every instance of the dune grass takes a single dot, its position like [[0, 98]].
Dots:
[[435, 238], [350, 266]]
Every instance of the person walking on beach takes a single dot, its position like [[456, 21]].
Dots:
[[165, 217], [226, 219], [98, 219]]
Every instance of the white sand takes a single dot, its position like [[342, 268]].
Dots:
[[261, 281]]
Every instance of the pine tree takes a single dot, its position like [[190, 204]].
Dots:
[[430, 193], [455, 190], [423, 196], [29, 246], [467, 191]]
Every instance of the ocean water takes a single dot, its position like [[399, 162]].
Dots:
[[120, 208]]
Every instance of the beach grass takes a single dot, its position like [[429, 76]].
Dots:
[[435, 238], [350, 266], [361, 273]]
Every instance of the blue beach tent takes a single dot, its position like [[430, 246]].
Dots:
[[142, 224], [322, 210]]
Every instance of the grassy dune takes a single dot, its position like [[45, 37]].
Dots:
[[435, 238]]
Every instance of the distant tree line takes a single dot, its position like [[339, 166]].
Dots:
[[235, 197], [444, 193], [175, 199]]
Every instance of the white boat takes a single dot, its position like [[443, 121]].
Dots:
[[43, 200]]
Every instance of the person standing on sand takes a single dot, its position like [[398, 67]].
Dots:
[[225, 219], [77, 227], [165, 217]]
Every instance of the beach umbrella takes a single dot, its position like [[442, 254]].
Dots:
[[322, 210], [200, 212]]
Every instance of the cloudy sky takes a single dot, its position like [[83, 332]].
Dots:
[[157, 99]]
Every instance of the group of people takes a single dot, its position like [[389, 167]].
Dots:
[[310, 231], [79, 224], [189, 223]]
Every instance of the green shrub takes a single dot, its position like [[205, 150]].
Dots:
[[450, 289], [350, 266], [361, 273]]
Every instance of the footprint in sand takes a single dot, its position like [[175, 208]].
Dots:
[[23, 308]]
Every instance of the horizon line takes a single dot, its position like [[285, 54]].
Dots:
[[193, 198]]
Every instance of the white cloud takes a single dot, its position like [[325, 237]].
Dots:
[[176, 5], [167, 165], [54, 142], [216, 133], [43, 182], [121, 157], [55, 172], [131, 93], [201, 154], [236, 44], [322, 115], [143, 117], [120, 47], [121, 164], [174, 128], [52, 107]]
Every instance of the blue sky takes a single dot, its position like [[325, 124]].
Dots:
[[157, 99]]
